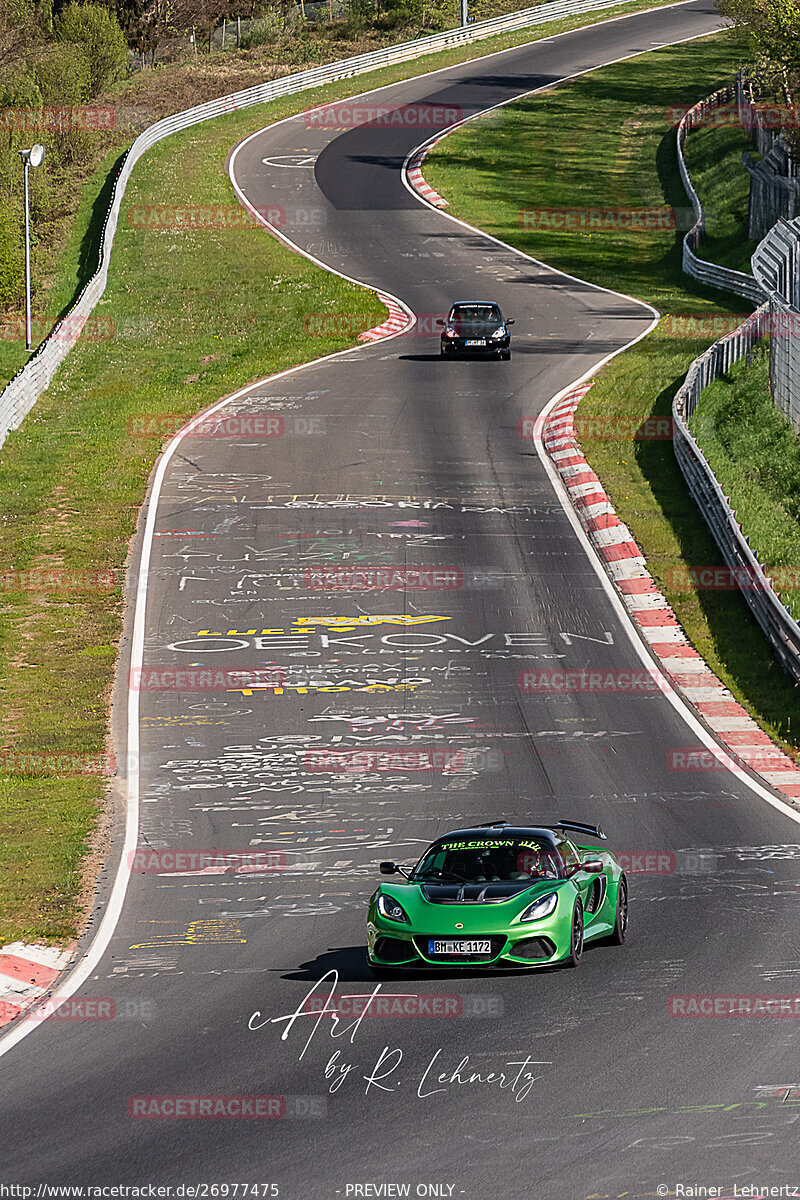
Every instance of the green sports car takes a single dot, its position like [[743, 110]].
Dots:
[[498, 896]]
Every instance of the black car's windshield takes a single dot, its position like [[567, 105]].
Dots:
[[488, 860], [488, 313]]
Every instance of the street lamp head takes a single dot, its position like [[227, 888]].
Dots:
[[33, 157]]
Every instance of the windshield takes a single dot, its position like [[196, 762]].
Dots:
[[476, 312], [488, 860]]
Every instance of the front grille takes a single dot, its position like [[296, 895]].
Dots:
[[393, 950], [421, 943], [533, 948]]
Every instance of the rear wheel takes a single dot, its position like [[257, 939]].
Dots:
[[621, 923], [576, 939]]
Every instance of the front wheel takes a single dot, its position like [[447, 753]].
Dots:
[[621, 922], [505, 355], [576, 938]]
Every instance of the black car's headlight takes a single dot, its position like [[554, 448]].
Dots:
[[450, 333], [543, 907], [389, 908], [498, 333]]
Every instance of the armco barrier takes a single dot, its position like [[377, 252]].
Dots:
[[23, 391], [699, 268]]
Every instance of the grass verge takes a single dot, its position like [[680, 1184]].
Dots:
[[755, 454], [714, 158], [602, 142]]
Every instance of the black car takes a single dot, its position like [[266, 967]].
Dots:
[[476, 327]]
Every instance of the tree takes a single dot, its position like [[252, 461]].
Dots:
[[98, 33], [19, 31], [774, 29]]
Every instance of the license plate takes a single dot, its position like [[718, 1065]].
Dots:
[[460, 946], [475, 342]]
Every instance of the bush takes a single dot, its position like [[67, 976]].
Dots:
[[261, 33], [64, 78], [11, 253], [98, 33]]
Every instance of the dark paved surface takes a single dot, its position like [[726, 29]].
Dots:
[[417, 462]]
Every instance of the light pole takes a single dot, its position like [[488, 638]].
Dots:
[[464, 17], [30, 158]]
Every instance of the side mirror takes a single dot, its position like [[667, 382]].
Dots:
[[439, 323], [388, 868], [511, 321], [593, 866]]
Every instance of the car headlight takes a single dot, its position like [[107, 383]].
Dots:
[[389, 908], [542, 907], [450, 333], [501, 332]]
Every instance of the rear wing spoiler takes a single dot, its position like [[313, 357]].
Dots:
[[578, 827]]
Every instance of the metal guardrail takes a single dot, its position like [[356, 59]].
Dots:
[[775, 272], [34, 378], [776, 621], [699, 268]]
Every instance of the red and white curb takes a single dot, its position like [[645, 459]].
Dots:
[[397, 320], [747, 744], [417, 180], [26, 974]]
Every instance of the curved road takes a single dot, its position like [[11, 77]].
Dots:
[[390, 456]]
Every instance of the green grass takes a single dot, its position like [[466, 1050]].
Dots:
[[73, 268], [229, 308], [714, 158], [755, 454], [598, 142]]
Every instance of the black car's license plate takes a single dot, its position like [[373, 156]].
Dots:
[[475, 342], [450, 946]]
